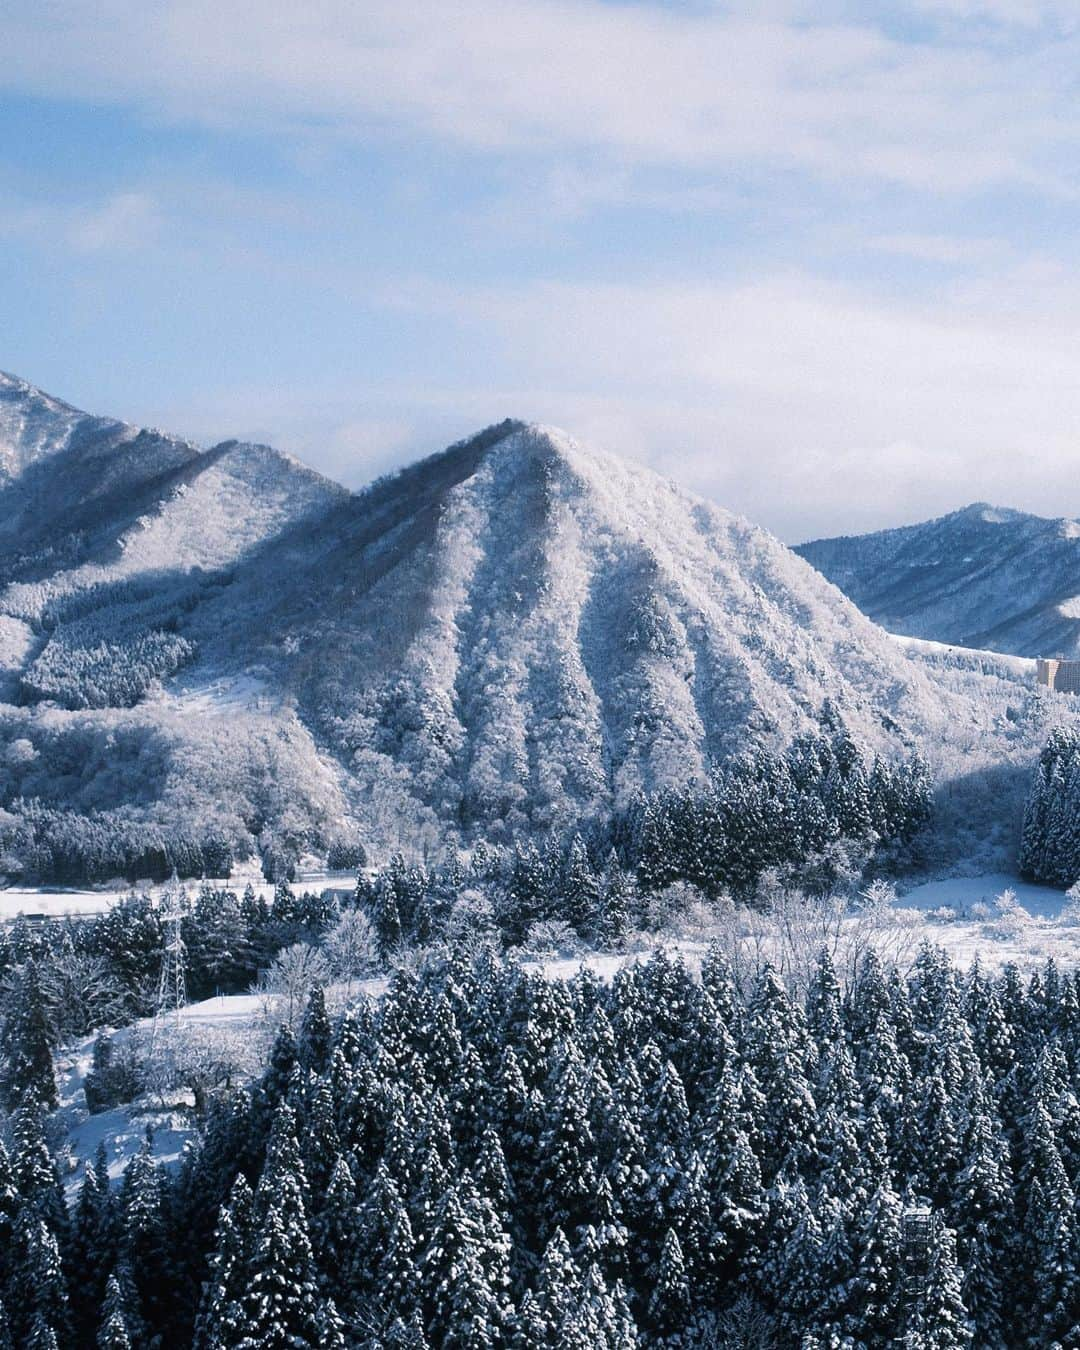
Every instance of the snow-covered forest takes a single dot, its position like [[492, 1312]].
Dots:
[[489, 1158]]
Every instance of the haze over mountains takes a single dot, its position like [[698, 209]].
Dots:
[[513, 634], [984, 577]]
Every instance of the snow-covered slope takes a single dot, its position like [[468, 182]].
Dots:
[[33, 425], [981, 577], [512, 634], [64, 474], [523, 630]]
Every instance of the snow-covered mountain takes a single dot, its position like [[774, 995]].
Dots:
[[981, 577], [512, 634]]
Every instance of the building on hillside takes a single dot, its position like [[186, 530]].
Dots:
[[1057, 674]]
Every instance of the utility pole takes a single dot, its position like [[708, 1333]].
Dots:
[[917, 1236]]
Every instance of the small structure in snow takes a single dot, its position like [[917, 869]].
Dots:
[[1058, 674]]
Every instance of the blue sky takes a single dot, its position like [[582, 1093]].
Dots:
[[817, 261]]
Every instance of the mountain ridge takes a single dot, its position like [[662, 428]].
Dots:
[[983, 577], [510, 635]]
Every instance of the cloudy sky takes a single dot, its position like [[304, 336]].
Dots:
[[818, 261]]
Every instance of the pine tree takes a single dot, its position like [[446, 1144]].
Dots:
[[144, 1241], [823, 1012], [9, 1213], [221, 1321], [982, 1214], [313, 1047], [464, 1272], [321, 1140], [616, 904], [877, 1269], [404, 1335], [385, 1252], [282, 1307], [386, 918], [38, 1290], [568, 1149], [113, 1332], [272, 1089], [793, 1274], [580, 889], [676, 1192], [334, 1238], [92, 1250], [670, 1301], [558, 1290], [37, 1177], [738, 1203], [26, 1065], [779, 1054]]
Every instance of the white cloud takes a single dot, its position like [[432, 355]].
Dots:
[[118, 223], [125, 221], [645, 83], [947, 250], [812, 407]]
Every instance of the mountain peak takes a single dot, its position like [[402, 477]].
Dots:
[[34, 425], [988, 514]]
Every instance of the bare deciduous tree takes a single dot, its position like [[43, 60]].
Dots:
[[292, 975]]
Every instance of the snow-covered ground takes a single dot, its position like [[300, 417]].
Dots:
[[996, 919], [964, 893], [237, 1027], [1020, 665], [244, 1019], [56, 902], [219, 696]]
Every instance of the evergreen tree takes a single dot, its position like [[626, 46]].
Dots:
[[144, 1242], [221, 1322], [465, 1274], [37, 1178], [38, 1295], [941, 1321], [113, 1333], [616, 904], [313, 1048], [877, 1269], [281, 1303], [26, 1065], [670, 1301], [92, 1249], [581, 890], [779, 1054]]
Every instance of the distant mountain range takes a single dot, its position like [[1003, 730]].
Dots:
[[510, 635], [982, 577]]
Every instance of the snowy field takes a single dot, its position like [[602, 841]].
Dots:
[[56, 902], [965, 894], [995, 919], [235, 1027], [122, 1129], [218, 697]]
